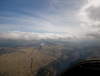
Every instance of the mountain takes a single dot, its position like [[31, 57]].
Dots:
[[43, 58]]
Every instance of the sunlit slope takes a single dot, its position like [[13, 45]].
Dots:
[[24, 61]]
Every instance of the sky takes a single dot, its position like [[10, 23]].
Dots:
[[50, 19]]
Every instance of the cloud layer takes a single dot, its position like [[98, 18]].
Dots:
[[16, 35]]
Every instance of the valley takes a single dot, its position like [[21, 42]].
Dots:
[[43, 59]]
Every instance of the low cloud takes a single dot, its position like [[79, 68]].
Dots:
[[17, 35], [95, 35], [28, 36]]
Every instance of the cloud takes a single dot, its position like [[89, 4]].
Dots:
[[94, 13], [96, 35], [17, 35], [89, 15], [28, 36]]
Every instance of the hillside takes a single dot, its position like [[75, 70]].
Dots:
[[43, 59]]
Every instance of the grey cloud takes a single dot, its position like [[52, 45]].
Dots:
[[94, 13], [94, 34], [90, 18]]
